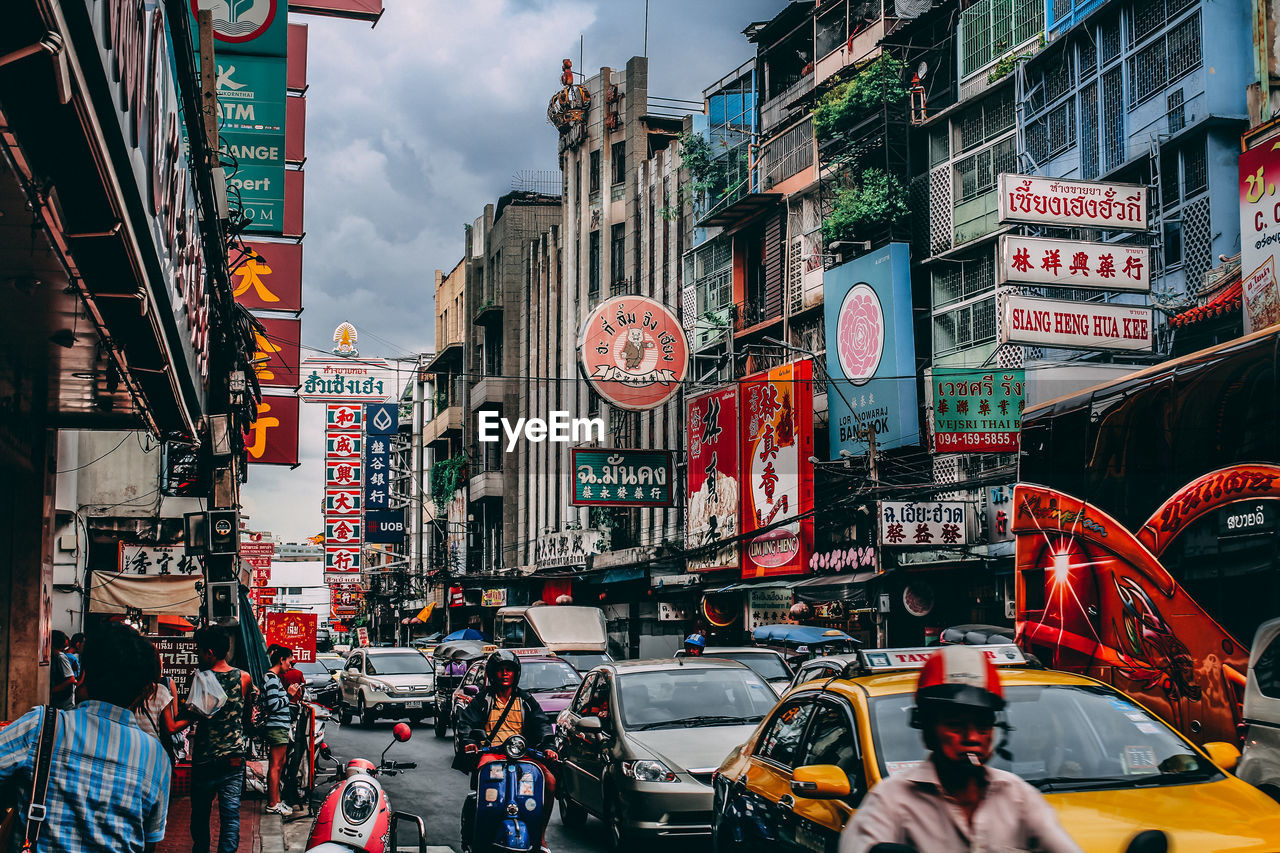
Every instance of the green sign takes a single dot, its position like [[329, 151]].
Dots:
[[258, 27], [977, 410], [251, 115], [628, 478]]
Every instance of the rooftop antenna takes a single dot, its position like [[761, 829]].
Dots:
[[646, 29], [583, 68]]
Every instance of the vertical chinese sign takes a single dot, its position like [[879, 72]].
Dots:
[[259, 555], [343, 485], [777, 476], [1259, 227], [713, 480]]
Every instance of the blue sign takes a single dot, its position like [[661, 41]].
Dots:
[[871, 352], [384, 527], [381, 418]]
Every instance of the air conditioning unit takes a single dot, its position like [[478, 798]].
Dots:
[[1010, 609]]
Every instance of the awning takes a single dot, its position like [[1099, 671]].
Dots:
[[175, 622], [738, 587], [174, 595], [850, 589]]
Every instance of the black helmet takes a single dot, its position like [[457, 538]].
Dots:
[[502, 657]]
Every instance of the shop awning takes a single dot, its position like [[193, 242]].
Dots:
[[822, 588], [173, 595], [738, 587], [175, 622]]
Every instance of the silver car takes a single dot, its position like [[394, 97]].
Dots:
[[1260, 763], [641, 738], [391, 683]]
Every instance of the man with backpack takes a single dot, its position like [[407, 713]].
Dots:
[[217, 750], [277, 723]]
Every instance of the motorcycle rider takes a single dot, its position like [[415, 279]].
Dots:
[[695, 644], [952, 802]]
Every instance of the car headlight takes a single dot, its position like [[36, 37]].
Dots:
[[647, 770], [380, 686], [515, 747], [359, 802]]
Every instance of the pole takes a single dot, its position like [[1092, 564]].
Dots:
[[416, 482], [646, 29], [873, 472]]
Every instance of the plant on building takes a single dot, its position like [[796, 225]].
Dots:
[[844, 105], [872, 200], [486, 305], [446, 477], [697, 158], [1010, 61]]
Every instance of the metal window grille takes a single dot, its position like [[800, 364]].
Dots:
[[967, 178], [1194, 168], [1146, 16], [1062, 128], [1172, 244], [998, 114], [1174, 107], [795, 274], [1057, 77], [1089, 131], [1184, 47], [939, 149], [1109, 36], [1037, 136], [1197, 240], [1169, 179], [971, 134], [940, 190], [991, 28], [947, 284], [979, 274], [789, 153], [1088, 57], [1176, 6], [1004, 155], [984, 320], [1147, 71], [1113, 117]]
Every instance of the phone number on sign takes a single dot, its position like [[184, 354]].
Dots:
[[955, 441]]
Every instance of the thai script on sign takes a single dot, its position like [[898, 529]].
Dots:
[[622, 477], [976, 410], [1052, 201], [923, 523], [1210, 491]]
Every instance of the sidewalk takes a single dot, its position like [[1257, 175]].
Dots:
[[259, 832]]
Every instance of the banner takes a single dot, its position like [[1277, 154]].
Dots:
[[1075, 325], [923, 523], [977, 411], [296, 631], [871, 358], [1060, 203], [627, 478], [346, 380], [777, 476], [1071, 263], [342, 558], [712, 515], [272, 439], [342, 501], [1259, 233], [269, 276]]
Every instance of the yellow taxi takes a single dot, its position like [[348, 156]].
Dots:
[[1110, 767]]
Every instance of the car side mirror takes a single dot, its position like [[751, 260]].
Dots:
[[1225, 755], [590, 724], [471, 690], [820, 782]]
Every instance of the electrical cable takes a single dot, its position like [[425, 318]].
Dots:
[[95, 461]]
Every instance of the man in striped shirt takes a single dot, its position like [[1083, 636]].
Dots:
[[108, 779]]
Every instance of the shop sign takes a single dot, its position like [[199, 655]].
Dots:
[[382, 418], [251, 124], [1260, 233], [385, 527], [342, 531], [272, 438], [277, 352], [341, 558], [362, 636], [179, 660], [296, 631], [345, 598], [1243, 519], [342, 501], [633, 352], [346, 380], [339, 446], [627, 478], [377, 463], [262, 577], [338, 474], [1072, 263], [776, 428], [933, 523], [767, 607], [668, 612], [156, 560], [871, 357], [245, 26], [456, 599], [712, 486], [567, 548], [1086, 204], [340, 417], [849, 559], [998, 508], [257, 549], [1075, 325], [493, 598], [977, 411], [268, 276]]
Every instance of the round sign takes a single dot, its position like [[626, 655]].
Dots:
[[860, 333], [222, 527], [918, 598], [238, 22], [633, 352]]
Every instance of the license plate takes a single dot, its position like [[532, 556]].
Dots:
[[412, 705]]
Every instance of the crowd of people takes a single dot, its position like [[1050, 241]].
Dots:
[[97, 761]]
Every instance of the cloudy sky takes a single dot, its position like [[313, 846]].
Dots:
[[413, 126]]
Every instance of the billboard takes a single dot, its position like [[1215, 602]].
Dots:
[[977, 411], [1063, 204], [381, 421], [633, 351], [1072, 263], [776, 428], [628, 478], [923, 523], [1075, 325], [1259, 233], [871, 358], [269, 276], [712, 423], [251, 119], [246, 26], [272, 438], [278, 349], [296, 631]]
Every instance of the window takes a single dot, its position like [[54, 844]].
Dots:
[[1165, 59], [1267, 670], [1175, 108], [1089, 131], [593, 259], [583, 698], [595, 172], [831, 740], [354, 663], [617, 253], [985, 121], [511, 632], [1194, 171], [976, 174], [780, 742], [966, 326], [1113, 118], [293, 590], [618, 156]]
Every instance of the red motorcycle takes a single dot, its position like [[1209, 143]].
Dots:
[[356, 814]]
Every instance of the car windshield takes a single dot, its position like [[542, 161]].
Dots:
[[766, 664], [330, 664], [1063, 738], [686, 697], [400, 663], [312, 668], [585, 661], [544, 675]]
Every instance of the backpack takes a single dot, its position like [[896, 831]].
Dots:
[[259, 711]]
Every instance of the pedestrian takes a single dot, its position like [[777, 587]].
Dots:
[[74, 649], [108, 784], [62, 675], [157, 713], [278, 723], [952, 802], [694, 644], [217, 750]]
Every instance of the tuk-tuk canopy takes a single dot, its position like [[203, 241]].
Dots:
[[459, 650], [799, 635]]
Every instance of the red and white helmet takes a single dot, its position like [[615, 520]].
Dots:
[[961, 676]]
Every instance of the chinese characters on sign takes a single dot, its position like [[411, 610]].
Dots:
[[1260, 233], [343, 488], [567, 548], [269, 276], [381, 422], [1075, 325], [1071, 263], [923, 523], [713, 479], [272, 439], [768, 607], [1088, 204], [154, 560], [977, 411], [622, 477]]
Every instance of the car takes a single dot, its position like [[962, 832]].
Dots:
[[1110, 767], [392, 683], [319, 681], [769, 664], [640, 740], [1260, 763], [585, 661], [332, 662], [550, 681], [822, 668]]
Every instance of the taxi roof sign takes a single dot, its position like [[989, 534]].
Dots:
[[533, 652], [888, 660]]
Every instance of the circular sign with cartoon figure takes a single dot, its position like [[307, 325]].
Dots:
[[860, 333], [633, 352]]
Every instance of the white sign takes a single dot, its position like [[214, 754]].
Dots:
[[1261, 297], [668, 612], [923, 523], [1071, 263], [768, 607], [879, 660], [1087, 204], [152, 560], [346, 380], [568, 548], [1075, 325]]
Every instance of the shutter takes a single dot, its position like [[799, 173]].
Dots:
[[774, 258]]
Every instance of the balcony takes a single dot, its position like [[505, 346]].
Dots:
[[491, 391], [445, 425], [487, 485], [489, 313]]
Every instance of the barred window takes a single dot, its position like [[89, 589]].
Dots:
[[976, 173], [979, 274], [1113, 117], [939, 151], [1169, 178], [986, 120], [1146, 17], [947, 284], [971, 128], [1175, 108], [1037, 135], [1088, 56], [1089, 131], [1184, 47], [1057, 77], [1109, 36], [1146, 72], [1004, 156], [1062, 128], [1194, 169], [963, 327]]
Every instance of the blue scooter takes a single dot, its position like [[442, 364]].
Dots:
[[506, 811]]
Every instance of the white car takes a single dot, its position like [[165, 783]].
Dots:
[[1260, 760], [391, 683]]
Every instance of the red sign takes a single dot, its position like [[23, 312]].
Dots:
[[293, 197], [296, 70], [455, 597], [776, 474], [342, 501], [713, 479], [634, 352], [344, 600], [272, 438], [258, 548], [295, 631], [270, 276], [278, 352], [295, 130]]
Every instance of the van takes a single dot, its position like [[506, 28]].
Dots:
[[1260, 763], [577, 634]]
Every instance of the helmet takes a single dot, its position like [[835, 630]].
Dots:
[[502, 657], [696, 640], [959, 676]]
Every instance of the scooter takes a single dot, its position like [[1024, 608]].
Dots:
[[506, 810], [356, 814]]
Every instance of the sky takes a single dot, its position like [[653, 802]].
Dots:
[[413, 126]]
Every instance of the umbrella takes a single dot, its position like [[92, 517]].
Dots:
[[459, 650], [465, 634]]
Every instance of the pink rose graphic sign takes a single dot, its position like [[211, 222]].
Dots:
[[860, 338]]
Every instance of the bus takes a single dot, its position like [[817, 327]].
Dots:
[[1146, 535]]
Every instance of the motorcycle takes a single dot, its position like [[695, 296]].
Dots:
[[506, 810], [1151, 841], [356, 814]]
